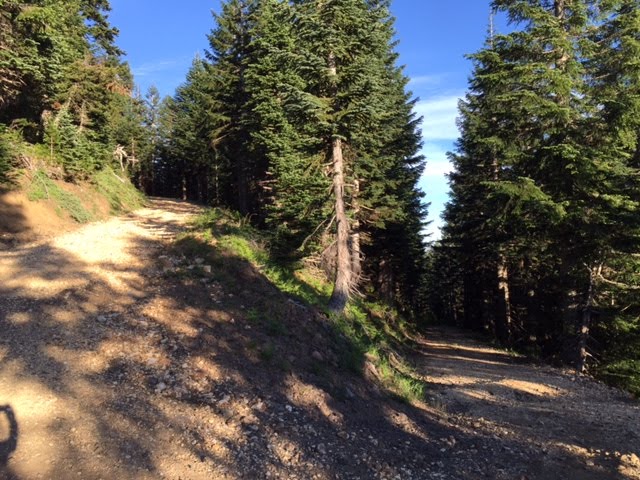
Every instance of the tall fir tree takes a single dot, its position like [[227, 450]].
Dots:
[[545, 184], [614, 92], [281, 125], [228, 44], [352, 72], [302, 98]]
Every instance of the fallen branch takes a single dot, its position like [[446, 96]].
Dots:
[[304, 243]]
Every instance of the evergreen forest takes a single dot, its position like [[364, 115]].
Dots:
[[299, 117]]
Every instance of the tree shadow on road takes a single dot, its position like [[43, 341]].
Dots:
[[8, 434], [12, 221], [8, 439], [182, 375]]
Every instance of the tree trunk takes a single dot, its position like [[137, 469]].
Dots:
[[560, 12], [356, 251], [241, 159], [385, 281], [559, 9], [344, 276], [586, 319], [635, 162], [505, 322], [152, 172], [473, 304], [342, 284], [243, 187]]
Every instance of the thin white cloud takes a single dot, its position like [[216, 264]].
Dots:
[[158, 66], [427, 80], [435, 183], [437, 169], [439, 117]]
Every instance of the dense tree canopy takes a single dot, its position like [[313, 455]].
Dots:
[[62, 82], [299, 118], [542, 232]]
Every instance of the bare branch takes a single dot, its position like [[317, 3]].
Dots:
[[304, 243], [623, 286]]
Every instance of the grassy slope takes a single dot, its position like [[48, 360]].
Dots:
[[121, 195], [367, 339], [28, 169]]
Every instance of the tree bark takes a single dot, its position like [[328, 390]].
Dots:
[[243, 186], [559, 9], [241, 159], [356, 251], [343, 278], [586, 319], [505, 323], [473, 303]]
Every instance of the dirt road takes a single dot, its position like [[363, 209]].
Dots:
[[550, 422], [111, 369]]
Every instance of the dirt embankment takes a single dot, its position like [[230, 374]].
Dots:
[[22, 220], [39, 206], [110, 367]]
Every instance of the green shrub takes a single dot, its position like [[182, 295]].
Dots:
[[4, 162], [620, 361], [624, 374], [79, 155]]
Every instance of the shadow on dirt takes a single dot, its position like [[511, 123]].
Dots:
[[12, 221], [561, 415], [183, 375], [8, 438]]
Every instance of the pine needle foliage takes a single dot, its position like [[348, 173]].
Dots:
[[258, 118], [542, 236]]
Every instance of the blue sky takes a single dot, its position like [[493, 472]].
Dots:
[[161, 37]]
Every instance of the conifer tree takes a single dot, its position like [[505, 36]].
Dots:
[[299, 99], [352, 73], [281, 126], [62, 78], [190, 148], [614, 92], [151, 122], [545, 181], [228, 43]]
